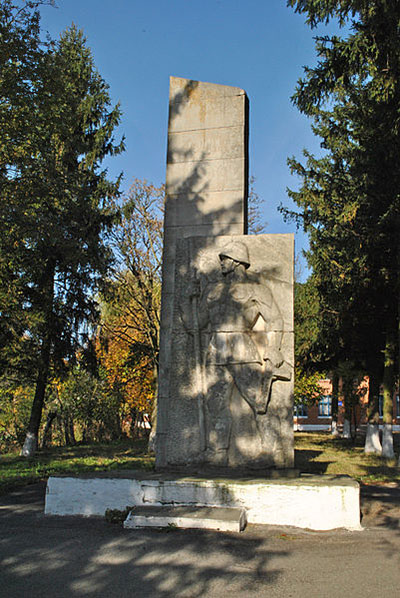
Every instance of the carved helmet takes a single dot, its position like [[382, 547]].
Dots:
[[237, 251]]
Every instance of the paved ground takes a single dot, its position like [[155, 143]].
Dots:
[[76, 557]]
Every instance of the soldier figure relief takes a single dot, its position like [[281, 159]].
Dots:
[[239, 329]]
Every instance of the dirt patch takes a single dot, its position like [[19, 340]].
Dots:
[[380, 505]]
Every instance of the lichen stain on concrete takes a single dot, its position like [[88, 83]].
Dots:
[[195, 98], [190, 88]]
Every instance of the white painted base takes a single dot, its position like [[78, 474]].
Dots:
[[313, 502], [30, 445], [346, 429], [216, 518], [372, 440], [311, 427], [387, 441], [334, 429]]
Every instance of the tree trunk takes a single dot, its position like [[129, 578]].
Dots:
[[355, 422], [31, 441], [335, 404], [372, 441], [46, 432], [388, 390], [67, 439], [47, 287], [71, 430], [133, 422], [153, 415]]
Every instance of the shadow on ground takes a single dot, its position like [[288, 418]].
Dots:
[[89, 557], [380, 505], [304, 461]]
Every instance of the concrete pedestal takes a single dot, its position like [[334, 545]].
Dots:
[[313, 502]]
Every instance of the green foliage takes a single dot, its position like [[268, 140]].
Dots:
[[322, 11], [307, 323], [137, 244], [81, 408], [15, 406], [127, 343], [89, 403], [349, 198], [310, 356], [56, 123], [307, 390], [20, 57], [66, 209]]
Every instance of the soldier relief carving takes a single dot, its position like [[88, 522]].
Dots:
[[235, 327]]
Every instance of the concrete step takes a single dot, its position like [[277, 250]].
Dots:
[[227, 519]]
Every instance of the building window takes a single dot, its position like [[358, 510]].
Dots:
[[301, 411], [325, 406], [380, 406], [397, 403]]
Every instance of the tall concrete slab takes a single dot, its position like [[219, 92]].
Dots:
[[206, 190], [230, 402]]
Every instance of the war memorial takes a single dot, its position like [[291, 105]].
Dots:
[[224, 437]]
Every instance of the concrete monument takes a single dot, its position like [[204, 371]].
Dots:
[[226, 356], [226, 352]]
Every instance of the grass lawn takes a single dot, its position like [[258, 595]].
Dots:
[[314, 453], [318, 452], [16, 471]]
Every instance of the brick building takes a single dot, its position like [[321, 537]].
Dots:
[[319, 416]]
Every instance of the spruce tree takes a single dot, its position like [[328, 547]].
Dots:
[[55, 203], [349, 198], [21, 53]]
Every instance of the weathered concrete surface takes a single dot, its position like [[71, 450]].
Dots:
[[206, 190], [73, 557], [313, 502], [222, 519], [230, 400]]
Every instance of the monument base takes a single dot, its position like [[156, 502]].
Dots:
[[312, 502]]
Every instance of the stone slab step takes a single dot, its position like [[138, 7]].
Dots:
[[229, 519]]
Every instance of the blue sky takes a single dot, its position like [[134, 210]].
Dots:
[[258, 45]]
